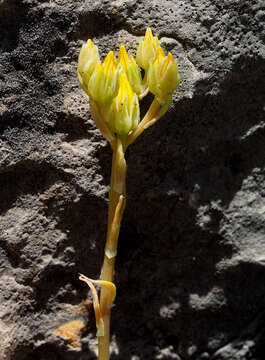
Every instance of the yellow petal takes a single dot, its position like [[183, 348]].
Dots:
[[149, 36], [125, 90], [90, 44], [124, 58], [160, 54], [169, 59], [131, 70], [109, 64]]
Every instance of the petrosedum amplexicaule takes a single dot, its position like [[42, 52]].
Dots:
[[114, 88]]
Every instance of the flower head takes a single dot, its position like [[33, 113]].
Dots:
[[87, 62], [124, 112], [115, 86], [163, 76], [131, 70], [147, 49]]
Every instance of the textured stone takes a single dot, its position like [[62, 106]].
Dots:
[[191, 260]]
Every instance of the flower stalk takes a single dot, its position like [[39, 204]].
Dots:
[[114, 88]]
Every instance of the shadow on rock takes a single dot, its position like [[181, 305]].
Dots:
[[173, 290]]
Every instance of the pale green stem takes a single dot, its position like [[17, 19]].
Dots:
[[117, 195]]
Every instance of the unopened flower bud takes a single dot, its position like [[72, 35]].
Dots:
[[124, 112], [104, 82], [131, 70], [87, 62], [163, 76], [147, 49]]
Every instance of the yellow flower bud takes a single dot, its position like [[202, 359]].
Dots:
[[87, 62], [124, 112], [104, 82], [131, 70], [147, 50], [163, 76]]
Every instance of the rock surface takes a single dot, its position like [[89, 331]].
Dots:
[[191, 262]]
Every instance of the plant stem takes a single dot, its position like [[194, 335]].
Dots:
[[152, 113], [117, 196]]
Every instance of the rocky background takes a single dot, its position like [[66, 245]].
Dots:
[[191, 263]]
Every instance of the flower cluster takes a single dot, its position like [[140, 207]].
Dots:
[[116, 85]]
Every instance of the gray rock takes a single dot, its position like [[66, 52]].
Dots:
[[190, 269]]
